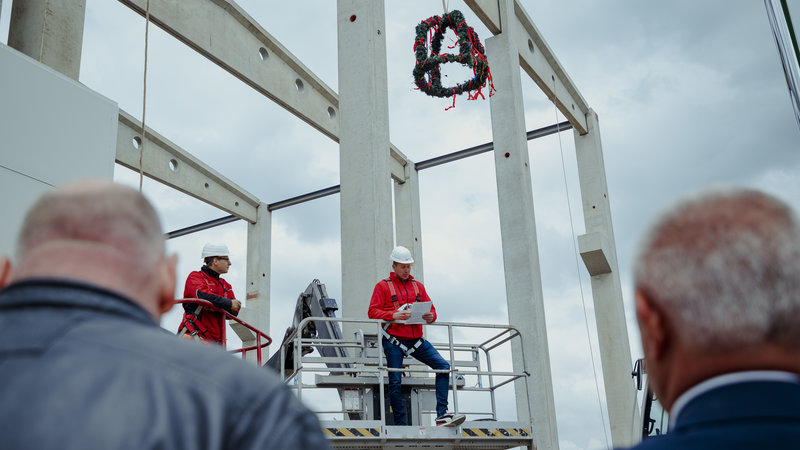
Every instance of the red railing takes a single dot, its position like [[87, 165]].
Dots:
[[228, 316]]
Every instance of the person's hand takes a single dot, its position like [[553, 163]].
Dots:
[[235, 305], [401, 315], [428, 317]]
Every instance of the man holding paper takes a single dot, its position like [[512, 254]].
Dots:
[[396, 298]]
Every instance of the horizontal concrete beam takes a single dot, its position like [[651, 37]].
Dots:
[[593, 248], [224, 33], [537, 60], [166, 162], [488, 11]]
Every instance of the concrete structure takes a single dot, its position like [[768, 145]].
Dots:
[[49, 31], [73, 136], [407, 222], [600, 257], [518, 231], [224, 33], [363, 170], [259, 263]]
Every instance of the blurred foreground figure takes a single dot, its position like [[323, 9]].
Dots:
[[717, 294], [84, 363]]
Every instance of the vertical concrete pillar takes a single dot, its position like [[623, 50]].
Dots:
[[365, 195], [518, 234], [49, 31], [258, 276], [600, 256], [407, 218]]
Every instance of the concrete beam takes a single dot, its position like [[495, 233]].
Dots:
[[224, 33], [220, 29], [171, 165], [536, 59], [488, 11]]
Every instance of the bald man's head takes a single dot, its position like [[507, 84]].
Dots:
[[99, 232], [726, 265], [716, 290], [93, 212]]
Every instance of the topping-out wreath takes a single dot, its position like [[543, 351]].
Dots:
[[427, 72]]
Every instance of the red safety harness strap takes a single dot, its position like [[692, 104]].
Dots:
[[190, 329]]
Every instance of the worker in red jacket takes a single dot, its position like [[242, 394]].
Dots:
[[390, 300], [203, 323]]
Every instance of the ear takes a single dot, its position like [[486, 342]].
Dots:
[[5, 271], [653, 327], [167, 279]]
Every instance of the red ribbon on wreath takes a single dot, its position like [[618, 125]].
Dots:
[[427, 71]]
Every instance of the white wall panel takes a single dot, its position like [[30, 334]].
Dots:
[[53, 130]]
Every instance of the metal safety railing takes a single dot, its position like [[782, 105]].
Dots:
[[363, 363], [261, 339]]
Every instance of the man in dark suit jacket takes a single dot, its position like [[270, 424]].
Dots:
[[717, 295]]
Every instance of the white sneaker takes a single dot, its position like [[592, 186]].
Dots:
[[450, 420]]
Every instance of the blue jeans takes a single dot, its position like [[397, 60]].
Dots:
[[425, 354]]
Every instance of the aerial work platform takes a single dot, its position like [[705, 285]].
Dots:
[[480, 357], [469, 435]]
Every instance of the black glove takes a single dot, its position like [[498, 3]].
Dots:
[[218, 301]]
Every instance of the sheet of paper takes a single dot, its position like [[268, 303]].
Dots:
[[417, 310]]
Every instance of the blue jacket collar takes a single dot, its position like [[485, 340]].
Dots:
[[741, 401]]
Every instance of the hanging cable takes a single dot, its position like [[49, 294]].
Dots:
[[578, 270], [144, 94]]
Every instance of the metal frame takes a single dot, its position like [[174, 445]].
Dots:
[[422, 165], [230, 317], [366, 371]]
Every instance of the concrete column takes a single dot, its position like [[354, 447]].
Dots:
[[407, 219], [518, 234], [365, 195], [258, 276], [600, 256], [49, 31]]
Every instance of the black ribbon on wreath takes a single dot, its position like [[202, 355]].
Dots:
[[427, 71]]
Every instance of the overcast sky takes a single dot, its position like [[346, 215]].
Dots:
[[689, 94]]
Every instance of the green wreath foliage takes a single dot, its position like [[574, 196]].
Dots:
[[427, 71]]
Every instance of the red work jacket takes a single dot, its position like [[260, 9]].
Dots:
[[212, 321], [382, 307]]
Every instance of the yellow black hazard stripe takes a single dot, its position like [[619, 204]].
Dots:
[[495, 432], [351, 432]]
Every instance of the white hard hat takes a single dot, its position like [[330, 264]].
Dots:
[[215, 250], [401, 255]]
